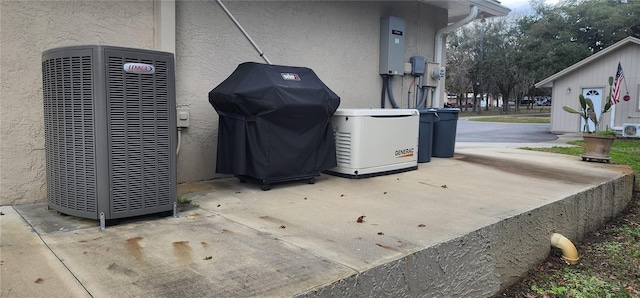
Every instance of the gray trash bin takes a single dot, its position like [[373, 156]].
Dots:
[[444, 132], [425, 136]]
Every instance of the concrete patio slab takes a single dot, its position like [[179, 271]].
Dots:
[[456, 227]]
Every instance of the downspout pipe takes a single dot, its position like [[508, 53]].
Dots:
[[253, 43], [612, 119], [440, 36], [569, 251]]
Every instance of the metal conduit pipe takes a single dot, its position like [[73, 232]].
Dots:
[[392, 99], [440, 35], [423, 98], [179, 140], [569, 251], [419, 90], [253, 43], [383, 96]]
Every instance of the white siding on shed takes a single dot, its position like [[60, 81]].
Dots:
[[594, 72]]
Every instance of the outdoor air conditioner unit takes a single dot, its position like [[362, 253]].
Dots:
[[631, 130], [110, 131]]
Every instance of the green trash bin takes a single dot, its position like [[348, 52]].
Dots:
[[444, 132], [425, 135]]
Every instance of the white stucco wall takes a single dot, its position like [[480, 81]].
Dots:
[[26, 29], [338, 40]]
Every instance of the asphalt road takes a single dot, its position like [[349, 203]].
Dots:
[[474, 131]]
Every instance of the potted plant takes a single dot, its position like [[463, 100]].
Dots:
[[597, 143]]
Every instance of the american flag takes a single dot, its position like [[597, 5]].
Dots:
[[615, 93]]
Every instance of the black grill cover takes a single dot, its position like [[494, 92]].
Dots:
[[274, 123]]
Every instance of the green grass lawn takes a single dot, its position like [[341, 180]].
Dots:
[[535, 115], [512, 119], [493, 111], [623, 151]]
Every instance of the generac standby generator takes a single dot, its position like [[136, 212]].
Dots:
[[372, 142], [110, 131]]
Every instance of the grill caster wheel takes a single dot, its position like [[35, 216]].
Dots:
[[312, 180], [265, 187]]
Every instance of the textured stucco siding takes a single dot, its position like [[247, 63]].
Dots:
[[27, 28], [338, 40], [483, 262]]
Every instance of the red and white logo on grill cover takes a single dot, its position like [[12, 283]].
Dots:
[[290, 76]]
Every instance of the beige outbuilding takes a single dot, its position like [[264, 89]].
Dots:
[[590, 77]]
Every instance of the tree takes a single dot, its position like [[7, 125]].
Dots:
[[491, 49], [502, 51], [465, 55], [561, 35], [459, 62], [509, 55]]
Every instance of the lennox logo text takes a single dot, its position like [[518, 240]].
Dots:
[[139, 68]]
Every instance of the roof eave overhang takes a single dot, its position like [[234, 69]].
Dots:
[[548, 82], [544, 85], [459, 9], [489, 9]]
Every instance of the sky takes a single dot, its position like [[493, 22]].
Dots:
[[522, 5]]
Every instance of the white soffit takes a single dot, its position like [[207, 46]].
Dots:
[[459, 9]]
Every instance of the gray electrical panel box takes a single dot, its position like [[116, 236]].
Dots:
[[417, 65], [392, 37]]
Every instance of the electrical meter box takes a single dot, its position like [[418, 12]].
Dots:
[[434, 74], [392, 37], [374, 142]]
